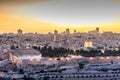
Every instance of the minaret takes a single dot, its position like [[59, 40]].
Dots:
[[55, 35], [55, 38]]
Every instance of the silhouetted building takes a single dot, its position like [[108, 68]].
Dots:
[[19, 31], [67, 31], [55, 32], [74, 31], [96, 31]]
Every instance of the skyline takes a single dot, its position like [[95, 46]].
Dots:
[[49, 15]]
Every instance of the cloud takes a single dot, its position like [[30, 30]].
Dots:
[[116, 0], [21, 2]]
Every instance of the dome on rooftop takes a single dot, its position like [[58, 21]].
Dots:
[[88, 43]]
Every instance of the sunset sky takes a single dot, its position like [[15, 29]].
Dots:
[[45, 16]]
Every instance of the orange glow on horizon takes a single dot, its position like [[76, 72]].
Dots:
[[13, 16], [12, 24]]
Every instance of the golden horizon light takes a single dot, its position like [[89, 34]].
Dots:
[[28, 18]]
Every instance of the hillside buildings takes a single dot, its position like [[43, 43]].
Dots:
[[21, 51]]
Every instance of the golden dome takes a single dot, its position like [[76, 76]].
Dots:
[[88, 43]]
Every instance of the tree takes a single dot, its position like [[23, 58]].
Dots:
[[21, 71], [12, 47], [81, 65], [46, 78], [56, 52]]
